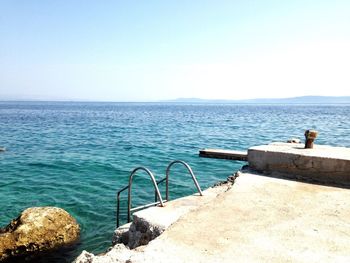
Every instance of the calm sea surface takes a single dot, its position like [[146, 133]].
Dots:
[[77, 155]]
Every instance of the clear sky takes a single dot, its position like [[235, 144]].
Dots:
[[154, 50]]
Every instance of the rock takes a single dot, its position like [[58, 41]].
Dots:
[[121, 234], [85, 257], [38, 229], [294, 140], [229, 181], [119, 253], [138, 233], [142, 231]]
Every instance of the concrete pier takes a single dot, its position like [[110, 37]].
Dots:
[[254, 217], [224, 154], [260, 219], [325, 164]]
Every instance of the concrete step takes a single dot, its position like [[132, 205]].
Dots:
[[149, 223]]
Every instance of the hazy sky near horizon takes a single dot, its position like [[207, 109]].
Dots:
[[155, 50]]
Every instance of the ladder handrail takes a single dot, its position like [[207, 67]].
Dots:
[[155, 193], [156, 189], [130, 184], [118, 202], [166, 179], [189, 170]]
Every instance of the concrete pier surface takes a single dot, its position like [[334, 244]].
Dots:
[[258, 219], [261, 219], [263, 215]]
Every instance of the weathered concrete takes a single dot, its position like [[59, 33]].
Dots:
[[324, 164], [258, 219], [37, 229], [149, 223], [261, 219]]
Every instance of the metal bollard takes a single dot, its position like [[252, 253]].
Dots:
[[310, 136]]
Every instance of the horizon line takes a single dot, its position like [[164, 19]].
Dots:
[[192, 100]]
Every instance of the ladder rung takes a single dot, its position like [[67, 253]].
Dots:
[[145, 206]]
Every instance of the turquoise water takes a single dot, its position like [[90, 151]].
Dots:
[[77, 155]]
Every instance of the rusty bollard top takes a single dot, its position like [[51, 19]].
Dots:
[[310, 136]]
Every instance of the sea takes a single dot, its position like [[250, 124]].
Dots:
[[77, 155]]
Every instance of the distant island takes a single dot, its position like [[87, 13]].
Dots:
[[294, 100]]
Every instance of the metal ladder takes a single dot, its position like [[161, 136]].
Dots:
[[156, 189]]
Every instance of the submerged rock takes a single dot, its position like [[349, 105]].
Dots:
[[38, 229]]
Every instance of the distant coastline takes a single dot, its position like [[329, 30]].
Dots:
[[293, 100]]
